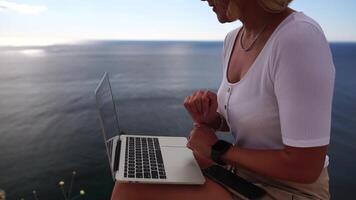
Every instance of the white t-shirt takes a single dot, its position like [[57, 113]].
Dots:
[[285, 97]]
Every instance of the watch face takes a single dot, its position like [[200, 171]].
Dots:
[[220, 145]]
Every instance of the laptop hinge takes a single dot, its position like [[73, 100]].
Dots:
[[117, 155]]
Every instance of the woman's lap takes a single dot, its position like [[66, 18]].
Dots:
[[210, 190], [289, 190], [132, 191]]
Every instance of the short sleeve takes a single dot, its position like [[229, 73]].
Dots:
[[303, 76]]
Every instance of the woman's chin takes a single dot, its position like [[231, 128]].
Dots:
[[222, 19]]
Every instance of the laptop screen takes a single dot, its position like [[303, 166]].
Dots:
[[107, 112]]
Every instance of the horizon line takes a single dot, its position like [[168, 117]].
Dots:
[[78, 42]]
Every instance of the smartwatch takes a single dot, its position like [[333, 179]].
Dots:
[[218, 149]]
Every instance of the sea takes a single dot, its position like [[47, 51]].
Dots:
[[49, 125]]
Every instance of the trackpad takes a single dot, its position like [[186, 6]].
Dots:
[[181, 165], [172, 141]]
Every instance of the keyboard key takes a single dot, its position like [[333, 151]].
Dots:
[[147, 175], [139, 175], [154, 174], [159, 156], [162, 177]]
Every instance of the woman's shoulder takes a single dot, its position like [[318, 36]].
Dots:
[[301, 18], [299, 29], [230, 38], [300, 44], [232, 34]]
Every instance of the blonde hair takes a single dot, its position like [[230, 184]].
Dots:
[[274, 6]]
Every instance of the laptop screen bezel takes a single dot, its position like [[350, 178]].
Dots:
[[106, 139]]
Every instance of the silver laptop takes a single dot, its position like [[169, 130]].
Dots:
[[142, 158]]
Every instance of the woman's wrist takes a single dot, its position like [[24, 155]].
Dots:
[[216, 124], [229, 154]]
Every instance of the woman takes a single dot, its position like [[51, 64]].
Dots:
[[275, 98]]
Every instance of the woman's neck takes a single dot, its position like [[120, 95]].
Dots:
[[254, 18]]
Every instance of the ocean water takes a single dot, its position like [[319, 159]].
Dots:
[[48, 120]]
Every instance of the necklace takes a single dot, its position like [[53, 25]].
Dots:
[[254, 40]]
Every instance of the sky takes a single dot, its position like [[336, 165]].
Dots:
[[42, 22]]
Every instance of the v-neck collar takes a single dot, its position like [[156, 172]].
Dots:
[[258, 56]]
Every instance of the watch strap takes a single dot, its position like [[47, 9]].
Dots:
[[217, 153]]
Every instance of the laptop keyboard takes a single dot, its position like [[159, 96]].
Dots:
[[143, 159]]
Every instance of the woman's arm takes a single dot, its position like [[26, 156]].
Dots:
[[302, 165], [303, 74]]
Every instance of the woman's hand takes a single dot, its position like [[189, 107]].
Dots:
[[202, 161], [202, 106], [201, 140]]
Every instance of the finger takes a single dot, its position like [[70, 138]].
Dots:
[[190, 145], [212, 95], [197, 101], [188, 104], [201, 96], [191, 134], [192, 105], [205, 103], [213, 102], [185, 102]]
